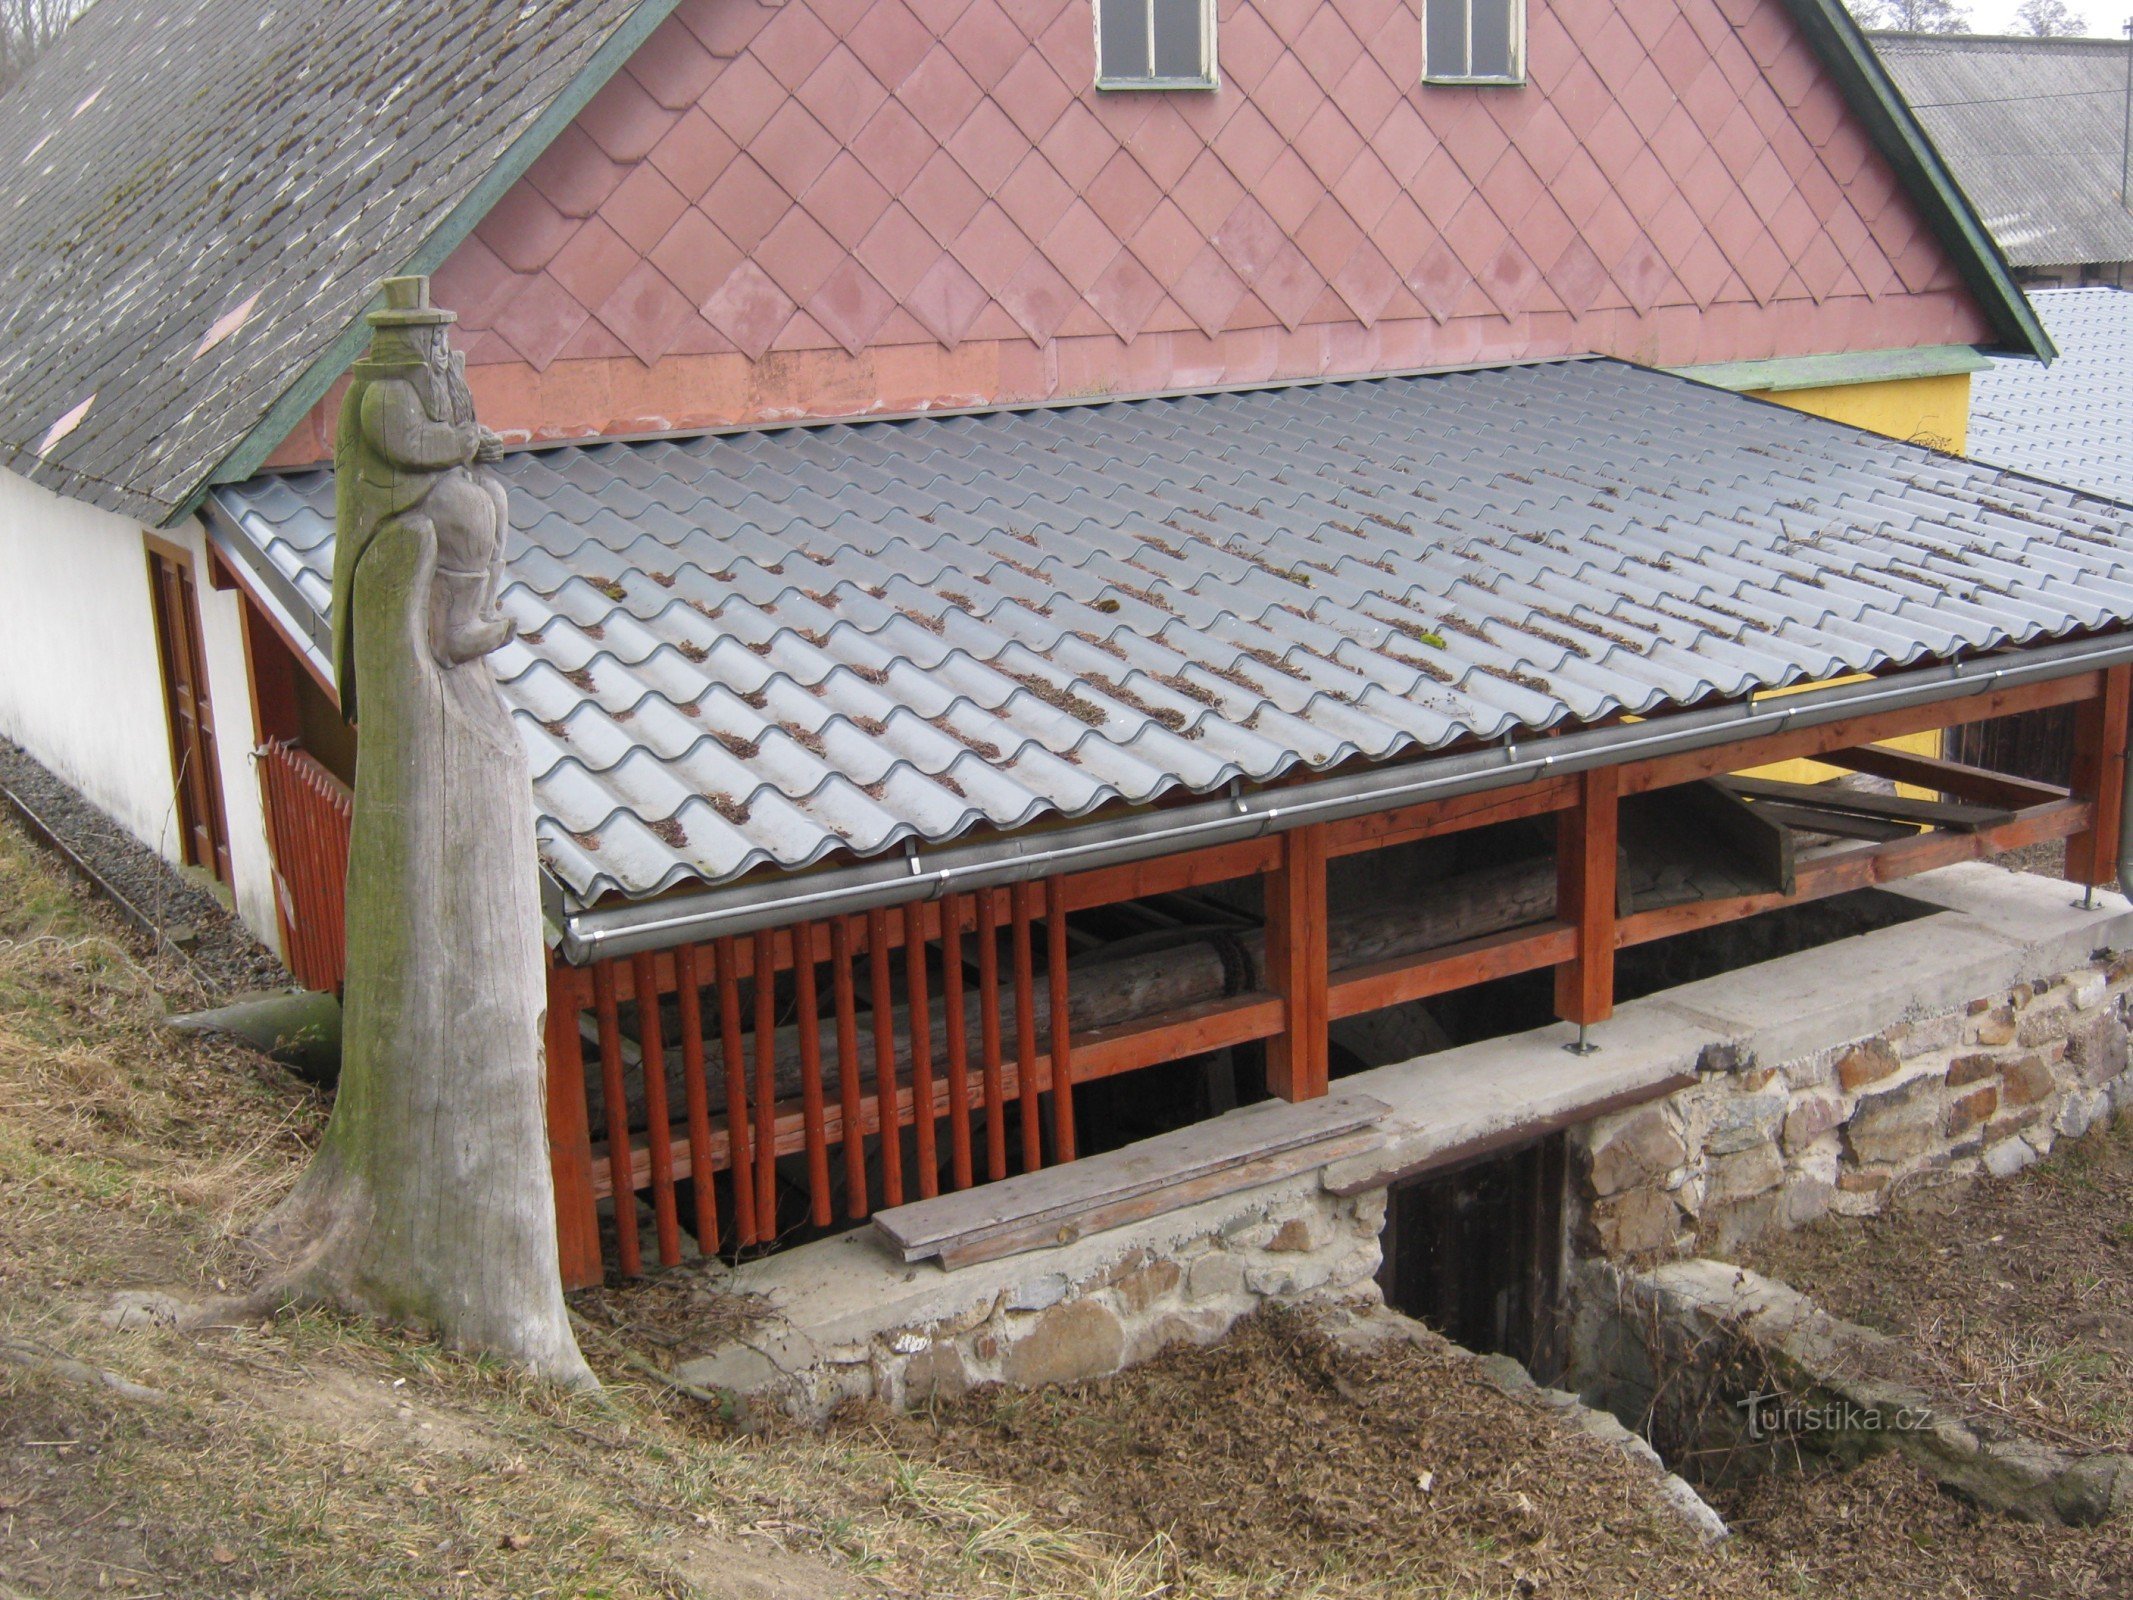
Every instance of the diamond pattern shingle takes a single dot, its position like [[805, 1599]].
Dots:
[[769, 648], [171, 159], [1663, 155]]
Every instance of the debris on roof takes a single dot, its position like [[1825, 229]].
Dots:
[[772, 647]]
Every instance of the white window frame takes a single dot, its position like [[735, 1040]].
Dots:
[[1209, 77], [1517, 74]]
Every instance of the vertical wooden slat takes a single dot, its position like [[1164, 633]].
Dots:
[[989, 1036], [620, 1168], [570, 1163], [806, 1001], [884, 1028], [659, 1130], [766, 1085], [738, 1141], [1026, 1030], [696, 1092], [1297, 1057], [848, 1071], [1055, 971], [2099, 778], [958, 1023], [1585, 896], [918, 1006]]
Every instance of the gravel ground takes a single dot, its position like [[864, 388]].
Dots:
[[225, 957]]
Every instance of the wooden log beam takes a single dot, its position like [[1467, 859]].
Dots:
[[1379, 984], [2099, 778], [1975, 784]]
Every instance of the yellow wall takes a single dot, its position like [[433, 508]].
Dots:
[[1928, 411]]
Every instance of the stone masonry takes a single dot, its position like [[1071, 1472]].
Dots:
[[1933, 1099]]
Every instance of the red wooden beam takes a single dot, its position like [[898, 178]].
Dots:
[[2099, 778], [1585, 898], [570, 1150], [1400, 979]]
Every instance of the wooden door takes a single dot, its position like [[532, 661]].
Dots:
[[195, 765]]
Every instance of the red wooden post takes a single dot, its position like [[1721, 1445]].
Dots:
[[577, 1218], [1585, 898], [808, 1006], [1055, 970], [848, 1071], [658, 1121], [918, 1004], [1026, 1029], [2099, 778], [696, 1092], [887, 1099], [989, 1034], [1296, 1058], [622, 1178], [958, 1041], [766, 1086], [738, 1159]]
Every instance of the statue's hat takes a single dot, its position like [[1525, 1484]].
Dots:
[[407, 305]]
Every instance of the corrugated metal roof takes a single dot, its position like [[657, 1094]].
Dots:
[[2071, 422], [773, 647], [2034, 130]]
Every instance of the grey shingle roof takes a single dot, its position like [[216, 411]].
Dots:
[[2034, 130], [767, 648], [2071, 422], [170, 170]]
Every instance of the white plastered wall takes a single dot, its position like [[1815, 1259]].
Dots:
[[81, 686]]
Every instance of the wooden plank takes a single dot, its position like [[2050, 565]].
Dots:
[[846, 1005], [1298, 1058], [666, 1222], [1055, 972], [621, 1184], [1894, 807], [2099, 777], [1975, 784], [989, 1039], [958, 1020], [766, 1085], [1060, 1193], [1585, 863], [808, 1004], [577, 1220], [1433, 818], [882, 1024], [1129, 1209], [1837, 824], [1862, 867], [696, 1095], [740, 1154], [1380, 984], [1026, 1030], [1174, 1035], [1137, 880], [918, 1007], [1663, 772]]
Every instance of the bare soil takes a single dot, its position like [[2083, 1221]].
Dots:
[[2016, 1294]]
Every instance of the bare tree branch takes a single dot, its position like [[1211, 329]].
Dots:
[[27, 30]]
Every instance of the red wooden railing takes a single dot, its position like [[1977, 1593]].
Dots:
[[308, 816]]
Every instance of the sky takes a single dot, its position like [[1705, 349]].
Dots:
[[2104, 18]]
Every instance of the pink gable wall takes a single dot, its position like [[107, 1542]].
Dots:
[[828, 207]]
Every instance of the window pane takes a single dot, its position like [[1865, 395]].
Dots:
[[1492, 43], [1445, 41], [1125, 38], [1177, 39]]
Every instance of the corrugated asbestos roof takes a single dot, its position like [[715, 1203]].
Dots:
[[2034, 130], [773, 647], [197, 198], [2071, 422]]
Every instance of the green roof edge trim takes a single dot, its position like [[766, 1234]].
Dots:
[[1838, 368], [1903, 142], [313, 383]]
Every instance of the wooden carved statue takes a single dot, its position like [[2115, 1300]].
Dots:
[[431, 1198]]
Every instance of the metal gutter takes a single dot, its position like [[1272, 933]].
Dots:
[[603, 933]]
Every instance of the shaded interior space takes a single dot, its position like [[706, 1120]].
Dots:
[[1476, 1252]]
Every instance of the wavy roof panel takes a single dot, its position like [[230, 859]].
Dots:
[[775, 647]]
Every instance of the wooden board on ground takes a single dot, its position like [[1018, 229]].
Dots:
[[1068, 1196]]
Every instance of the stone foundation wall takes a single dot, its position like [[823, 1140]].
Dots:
[[1022, 1323], [1934, 1099]]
